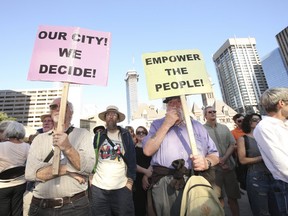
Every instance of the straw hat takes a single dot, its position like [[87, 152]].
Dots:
[[112, 108]]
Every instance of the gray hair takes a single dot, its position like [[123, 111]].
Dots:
[[3, 125], [270, 98], [14, 129], [205, 109]]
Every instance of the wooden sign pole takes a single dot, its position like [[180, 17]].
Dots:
[[60, 128], [189, 125]]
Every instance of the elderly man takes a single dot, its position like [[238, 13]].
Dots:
[[168, 144], [65, 193], [116, 168], [225, 170], [271, 136]]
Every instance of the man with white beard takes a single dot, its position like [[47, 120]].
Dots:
[[115, 169], [60, 194], [168, 144]]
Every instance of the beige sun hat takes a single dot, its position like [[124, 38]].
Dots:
[[112, 108]]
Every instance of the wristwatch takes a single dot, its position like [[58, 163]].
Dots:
[[209, 163]]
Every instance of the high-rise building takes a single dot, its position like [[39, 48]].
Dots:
[[275, 72], [28, 105], [240, 74], [131, 93], [282, 39]]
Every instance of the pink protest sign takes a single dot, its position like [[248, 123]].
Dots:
[[70, 54]]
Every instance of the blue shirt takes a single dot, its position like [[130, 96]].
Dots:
[[172, 148]]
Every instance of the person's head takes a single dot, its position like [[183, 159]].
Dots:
[[47, 122], [210, 114], [250, 121], [131, 130], [3, 126], [99, 128], [275, 100], [174, 103], [55, 110], [238, 118], [141, 132], [111, 116], [14, 130]]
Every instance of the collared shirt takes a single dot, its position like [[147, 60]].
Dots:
[[173, 149], [64, 185], [271, 136], [223, 138]]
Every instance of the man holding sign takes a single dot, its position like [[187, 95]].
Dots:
[[168, 144], [64, 193]]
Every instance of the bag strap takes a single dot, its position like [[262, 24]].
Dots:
[[113, 145], [51, 153]]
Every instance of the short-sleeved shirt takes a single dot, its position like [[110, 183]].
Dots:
[[172, 148], [223, 138]]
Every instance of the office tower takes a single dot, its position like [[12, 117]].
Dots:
[[282, 39], [131, 93], [28, 105], [274, 69], [240, 74]]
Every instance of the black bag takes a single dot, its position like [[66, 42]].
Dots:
[[12, 173], [241, 169]]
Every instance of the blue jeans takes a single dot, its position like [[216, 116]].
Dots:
[[260, 193], [112, 202], [280, 190], [79, 207]]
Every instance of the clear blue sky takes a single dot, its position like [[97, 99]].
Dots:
[[136, 27]]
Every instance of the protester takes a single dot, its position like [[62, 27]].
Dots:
[[225, 171], [116, 168], [65, 193], [259, 178], [237, 131], [99, 129], [13, 155], [271, 136], [47, 125], [141, 183], [168, 144], [131, 131]]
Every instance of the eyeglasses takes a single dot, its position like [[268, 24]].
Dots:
[[111, 114], [255, 119], [54, 106], [213, 111], [141, 133]]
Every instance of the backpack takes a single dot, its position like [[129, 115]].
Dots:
[[241, 169], [199, 199]]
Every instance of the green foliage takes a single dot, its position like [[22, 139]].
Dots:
[[4, 117]]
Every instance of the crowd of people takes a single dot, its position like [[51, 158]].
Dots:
[[127, 171]]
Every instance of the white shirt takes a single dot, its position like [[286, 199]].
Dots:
[[271, 135]]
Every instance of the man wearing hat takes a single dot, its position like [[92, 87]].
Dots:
[[172, 158], [116, 168]]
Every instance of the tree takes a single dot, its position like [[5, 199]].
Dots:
[[4, 117]]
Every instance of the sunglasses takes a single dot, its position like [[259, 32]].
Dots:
[[140, 133], [240, 120], [214, 111], [54, 106], [255, 119]]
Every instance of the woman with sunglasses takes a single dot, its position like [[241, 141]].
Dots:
[[143, 173], [258, 178]]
